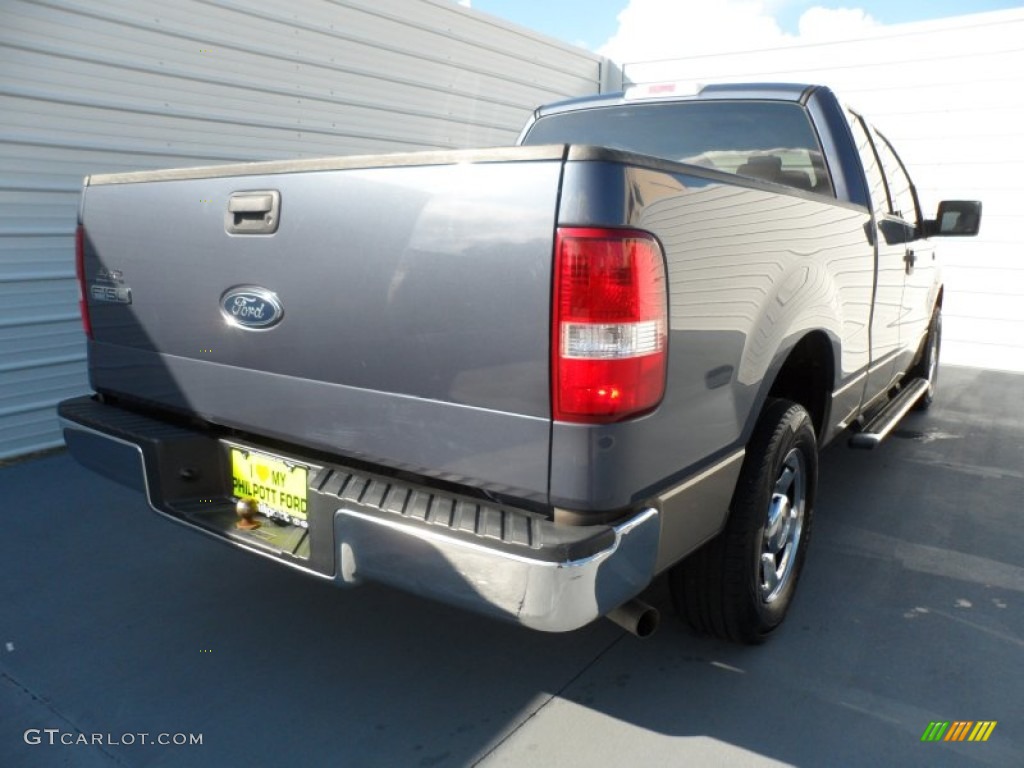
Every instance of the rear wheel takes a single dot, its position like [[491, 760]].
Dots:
[[740, 585], [927, 367]]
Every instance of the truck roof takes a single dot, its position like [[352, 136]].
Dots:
[[796, 92]]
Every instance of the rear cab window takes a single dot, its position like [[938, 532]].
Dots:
[[768, 140]]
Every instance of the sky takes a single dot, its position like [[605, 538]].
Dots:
[[644, 30]]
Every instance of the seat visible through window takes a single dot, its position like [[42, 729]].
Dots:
[[769, 168], [764, 167]]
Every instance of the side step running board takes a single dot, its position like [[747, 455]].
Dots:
[[879, 427]]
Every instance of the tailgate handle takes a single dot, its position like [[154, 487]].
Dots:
[[246, 202], [253, 213]]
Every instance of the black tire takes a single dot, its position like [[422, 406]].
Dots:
[[927, 366], [725, 588]]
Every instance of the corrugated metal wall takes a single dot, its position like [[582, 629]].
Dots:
[[101, 86], [950, 96]]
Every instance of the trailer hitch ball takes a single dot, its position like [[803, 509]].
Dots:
[[247, 509]]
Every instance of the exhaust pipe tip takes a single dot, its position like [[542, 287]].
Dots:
[[636, 617]]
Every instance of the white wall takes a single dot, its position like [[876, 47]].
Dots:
[[950, 96], [94, 86]]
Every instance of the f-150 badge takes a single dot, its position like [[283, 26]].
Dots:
[[251, 308], [108, 286]]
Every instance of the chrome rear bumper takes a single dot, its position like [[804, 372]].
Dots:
[[551, 596], [553, 577]]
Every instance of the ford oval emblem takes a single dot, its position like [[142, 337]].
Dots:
[[251, 308]]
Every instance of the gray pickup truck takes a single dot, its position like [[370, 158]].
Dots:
[[523, 380]]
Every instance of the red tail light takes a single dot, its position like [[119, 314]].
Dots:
[[609, 325], [83, 305]]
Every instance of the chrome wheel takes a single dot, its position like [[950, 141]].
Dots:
[[933, 359], [740, 585], [927, 367], [783, 526]]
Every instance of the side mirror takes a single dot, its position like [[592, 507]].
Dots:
[[956, 218]]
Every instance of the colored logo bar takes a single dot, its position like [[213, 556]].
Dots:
[[959, 730]]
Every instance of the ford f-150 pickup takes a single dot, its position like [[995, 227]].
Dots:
[[523, 380]]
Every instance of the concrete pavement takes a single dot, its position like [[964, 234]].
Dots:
[[115, 623]]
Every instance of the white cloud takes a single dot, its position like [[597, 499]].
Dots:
[[819, 23], [663, 29]]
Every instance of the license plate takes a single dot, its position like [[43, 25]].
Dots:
[[278, 486]]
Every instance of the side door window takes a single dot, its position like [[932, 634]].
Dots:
[[877, 189], [902, 197]]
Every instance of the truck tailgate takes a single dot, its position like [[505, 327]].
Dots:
[[399, 309]]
